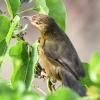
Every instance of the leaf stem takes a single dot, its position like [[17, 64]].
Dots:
[[26, 10], [39, 89]]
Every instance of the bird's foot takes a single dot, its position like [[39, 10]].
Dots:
[[43, 75], [51, 85]]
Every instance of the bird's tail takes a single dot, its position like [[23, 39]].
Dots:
[[70, 81]]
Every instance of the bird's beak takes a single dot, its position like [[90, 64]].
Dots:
[[31, 19], [28, 17]]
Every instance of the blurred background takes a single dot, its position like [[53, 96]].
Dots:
[[83, 29]]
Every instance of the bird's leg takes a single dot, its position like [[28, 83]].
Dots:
[[40, 72], [43, 74], [50, 85]]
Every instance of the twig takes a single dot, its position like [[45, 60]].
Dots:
[[39, 89], [26, 10]]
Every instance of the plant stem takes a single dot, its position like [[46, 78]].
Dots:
[[26, 10]]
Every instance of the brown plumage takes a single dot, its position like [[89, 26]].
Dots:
[[56, 53]]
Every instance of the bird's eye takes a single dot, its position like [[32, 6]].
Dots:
[[37, 22]]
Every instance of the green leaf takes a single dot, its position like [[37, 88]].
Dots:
[[57, 10], [94, 68], [31, 96], [13, 6], [12, 28], [63, 94], [4, 27], [6, 93], [29, 75], [53, 8], [86, 81], [6, 37], [17, 93], [35, 55], [22, 70], [41, 7], [93, 92], [3, 49]]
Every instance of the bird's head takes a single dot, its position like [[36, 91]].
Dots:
[[41, 22]]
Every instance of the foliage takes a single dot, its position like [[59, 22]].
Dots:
[[20, 93], [4, 28], [17, 93], [94, 71], [13, 7], [5, 39], [50, 7], [21, 64], [24, 56]]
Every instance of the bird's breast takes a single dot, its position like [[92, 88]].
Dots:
[[50, 68]]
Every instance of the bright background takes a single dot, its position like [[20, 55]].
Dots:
[[83, 29]]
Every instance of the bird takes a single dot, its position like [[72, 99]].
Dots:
[[57, 54]]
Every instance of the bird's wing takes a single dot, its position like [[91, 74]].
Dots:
[[63, 52]]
